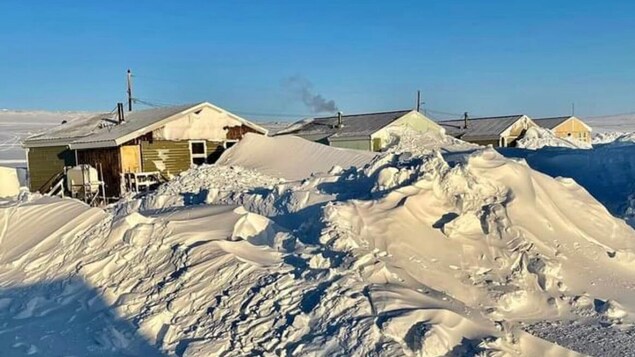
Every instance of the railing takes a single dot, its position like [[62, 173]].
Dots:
[[140, 181]]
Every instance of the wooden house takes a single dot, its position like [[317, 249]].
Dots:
[[164, 140], [567, 127], [368, 131], [496, 131]]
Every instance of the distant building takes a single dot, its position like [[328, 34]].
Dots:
[[359, 131], [164, 140], [497, 131], [567, 127]]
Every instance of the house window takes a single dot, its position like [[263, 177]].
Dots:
[[198, 152], [229, 143]]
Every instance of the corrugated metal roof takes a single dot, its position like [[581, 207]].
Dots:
[[487, 128], [551, 123], [356, 125], [134, 121], [105, 130]]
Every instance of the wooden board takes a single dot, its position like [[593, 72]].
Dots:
[[130, 158], [110, 161]]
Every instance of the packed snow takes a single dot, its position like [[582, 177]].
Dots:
[[537, 137], [435, 247], [9, 182]]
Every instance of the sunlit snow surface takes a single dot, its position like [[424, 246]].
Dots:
[[435, 248]]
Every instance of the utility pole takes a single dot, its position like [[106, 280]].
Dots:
[[418, 101], [129, 90], [465, 120]]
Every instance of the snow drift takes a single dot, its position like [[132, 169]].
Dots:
[[536, 138], [398, 254], [9, 182], [290, 157]]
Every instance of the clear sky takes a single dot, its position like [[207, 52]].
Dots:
[[484, 57]]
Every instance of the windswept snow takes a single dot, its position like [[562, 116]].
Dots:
[[537, 137], [290, 157], [16, 126], [287, 247]]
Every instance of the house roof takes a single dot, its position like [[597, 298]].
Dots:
[[551, 123], [356, 125], [103, 130], [486, 128]]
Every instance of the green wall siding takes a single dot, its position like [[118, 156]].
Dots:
[[172, 157], [352, 144], [45, 162]]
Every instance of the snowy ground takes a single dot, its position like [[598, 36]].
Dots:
[[17, 125], [434, 248]]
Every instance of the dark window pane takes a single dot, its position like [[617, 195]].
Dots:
[[198, 148], [229, 144], [198, 160]]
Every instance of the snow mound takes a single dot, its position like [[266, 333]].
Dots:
[[290, 157], [402, 254], [536, 138], [9, 182], [615, 139], [405, 139]]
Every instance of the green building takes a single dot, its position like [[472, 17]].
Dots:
[[369, 131]]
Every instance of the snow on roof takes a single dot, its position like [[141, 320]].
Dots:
[[356, 125], [484, 128], [104, 130]]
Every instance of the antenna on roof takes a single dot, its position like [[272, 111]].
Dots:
[[573, 109], [129, 77], [465, 119]]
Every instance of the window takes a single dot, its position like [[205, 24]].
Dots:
[[228, 144], [198, 152]]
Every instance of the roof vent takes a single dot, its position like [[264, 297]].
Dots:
[[120, 113]]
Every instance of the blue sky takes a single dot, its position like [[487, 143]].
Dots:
[[484, 57]]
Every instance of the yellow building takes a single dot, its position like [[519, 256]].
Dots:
[[569, 127]]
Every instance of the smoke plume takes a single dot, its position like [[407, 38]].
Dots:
[[303, 88]]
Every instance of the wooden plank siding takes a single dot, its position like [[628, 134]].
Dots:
[[46, 162], [173, 157], [237, 132], [110, 160]]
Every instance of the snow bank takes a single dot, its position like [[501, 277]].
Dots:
[[536, 138], [290, 157], [9, 182], [403, 254]]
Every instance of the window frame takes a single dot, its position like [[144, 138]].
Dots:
[[197, 155]]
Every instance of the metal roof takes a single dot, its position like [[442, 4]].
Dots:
[[486, 128], [551, 123], [104, 130], [356, 125]]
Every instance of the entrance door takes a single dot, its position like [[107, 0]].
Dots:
[[130, 158]]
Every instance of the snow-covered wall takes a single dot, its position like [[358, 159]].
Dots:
[[206, 124]]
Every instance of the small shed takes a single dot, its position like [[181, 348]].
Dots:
[[567, 127], [497, 131], [369, 131], [165, 140]]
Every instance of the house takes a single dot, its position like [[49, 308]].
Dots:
[[497, 131], [359, 131], [165, 140], [567, 127]]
